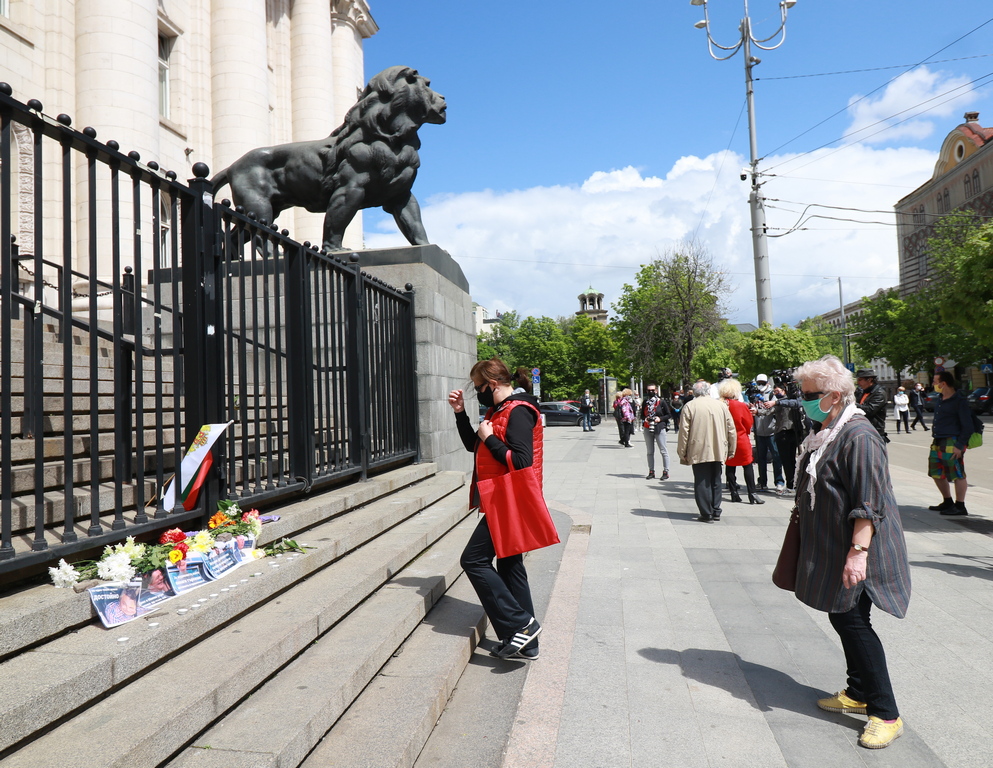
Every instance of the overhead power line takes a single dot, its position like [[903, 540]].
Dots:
[[875, 69]]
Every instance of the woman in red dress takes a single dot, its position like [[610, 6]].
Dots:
[[741, 415]]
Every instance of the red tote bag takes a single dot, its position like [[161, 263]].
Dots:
[[516, 513]]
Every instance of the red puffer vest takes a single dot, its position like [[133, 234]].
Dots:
[[486, 465]]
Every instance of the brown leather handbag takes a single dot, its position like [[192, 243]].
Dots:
[[784, 575]]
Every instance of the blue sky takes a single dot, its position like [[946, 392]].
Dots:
[[583, 139]]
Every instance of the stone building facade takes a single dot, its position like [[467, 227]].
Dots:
[[186, 81]]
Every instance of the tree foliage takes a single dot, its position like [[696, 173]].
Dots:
[[673, 308], [827, 340], [767, 349], [909, 333], [499, 341], [962, 254], [721, 351]]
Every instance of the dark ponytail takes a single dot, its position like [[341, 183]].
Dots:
[[522, 379]]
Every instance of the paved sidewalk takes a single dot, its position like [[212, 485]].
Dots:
[[665, 642]]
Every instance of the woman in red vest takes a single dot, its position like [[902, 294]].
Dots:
[[512, 425]]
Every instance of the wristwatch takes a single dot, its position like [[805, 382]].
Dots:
[[859, 548]]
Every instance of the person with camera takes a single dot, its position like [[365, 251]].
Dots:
[[871, 399], [789, 431], [655, 415], [765, 437]]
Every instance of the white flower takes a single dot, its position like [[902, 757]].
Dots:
[[65, 575], [115, 567], [131, 548]]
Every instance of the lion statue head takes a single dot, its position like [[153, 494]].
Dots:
[[394, 104]]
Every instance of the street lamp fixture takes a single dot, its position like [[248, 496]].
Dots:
[[760, 249], [844, 324]]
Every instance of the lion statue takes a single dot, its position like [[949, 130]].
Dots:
[[370, 160]]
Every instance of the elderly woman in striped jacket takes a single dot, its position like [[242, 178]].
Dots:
[[852, 549]]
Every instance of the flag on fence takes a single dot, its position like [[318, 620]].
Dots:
[[196, 463]]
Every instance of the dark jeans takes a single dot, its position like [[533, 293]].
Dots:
[[763, 447], [503, 591], [707, 488], [587, 423], [732, 480], [868, 677], [787, 444], [919, 417], [620, 428], [627, 432], [903, 416]]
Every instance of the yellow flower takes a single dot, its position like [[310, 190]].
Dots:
[[175, 556]]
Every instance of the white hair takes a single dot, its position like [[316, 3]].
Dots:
[[828, 374], [701, 389]]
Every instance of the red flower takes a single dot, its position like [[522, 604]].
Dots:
[[181, 547], [173, 536]]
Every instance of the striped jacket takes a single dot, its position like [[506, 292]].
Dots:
[[853, 481]]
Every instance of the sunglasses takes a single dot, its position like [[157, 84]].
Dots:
[[808, 396]]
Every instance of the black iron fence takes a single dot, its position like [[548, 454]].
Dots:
[[133, 309]]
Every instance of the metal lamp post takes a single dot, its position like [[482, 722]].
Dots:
[[844, 324], [763, 285]]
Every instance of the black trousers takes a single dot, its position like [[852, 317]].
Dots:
[[868, 676], [731, 476], [620, 428], [903, 416], [707, 488], [919, 417], [503, 591], [786, 442]]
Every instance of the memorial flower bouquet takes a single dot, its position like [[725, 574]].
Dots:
[[120, 562]]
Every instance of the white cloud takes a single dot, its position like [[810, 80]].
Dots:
[[907, 106], [535, 250]]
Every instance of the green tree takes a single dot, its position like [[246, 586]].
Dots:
[[908, 333], [674, 307], [540, 343], [593, 346], [719, 352], [827, 339], [499, 340], [962, 254], [768, 348]]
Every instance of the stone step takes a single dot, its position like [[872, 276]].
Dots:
[[35, 614], [172, 703], [389, 723], [312, 692]]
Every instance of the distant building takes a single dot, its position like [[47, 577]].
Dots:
[[591, 305], [962, 180]]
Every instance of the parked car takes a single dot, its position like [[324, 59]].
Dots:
[[930, 399], [561, 412], [980, 399]]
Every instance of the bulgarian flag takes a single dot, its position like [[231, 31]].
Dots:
[[196, 463]]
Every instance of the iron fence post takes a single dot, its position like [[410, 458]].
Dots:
[[410, 343], [202, 384], [358, 389], [299, 371]]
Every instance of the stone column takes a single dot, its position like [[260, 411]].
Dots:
[[351, 22], [239, 79], [117, 93], [313, 91], [446, 342]]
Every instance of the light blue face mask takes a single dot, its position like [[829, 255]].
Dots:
[[813, 410]]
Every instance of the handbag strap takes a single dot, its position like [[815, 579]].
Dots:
[[510, 463]]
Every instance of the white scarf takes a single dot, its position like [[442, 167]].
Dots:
[[816, 442]]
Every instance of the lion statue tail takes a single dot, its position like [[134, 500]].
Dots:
[[221, 179]]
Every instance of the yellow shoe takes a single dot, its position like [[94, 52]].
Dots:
[[842, 702], [879, 734]]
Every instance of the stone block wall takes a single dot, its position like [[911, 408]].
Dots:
[[446, 341]]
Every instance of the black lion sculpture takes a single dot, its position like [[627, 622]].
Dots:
[[370, 160]]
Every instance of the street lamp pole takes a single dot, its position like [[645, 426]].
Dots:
[[760, 246], [844, 325]]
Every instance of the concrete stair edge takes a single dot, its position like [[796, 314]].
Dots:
[[165, 711], [31, 615]]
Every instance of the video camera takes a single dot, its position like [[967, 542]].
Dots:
[[784, 377]]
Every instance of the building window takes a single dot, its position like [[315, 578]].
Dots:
[[922, 262], [946, 205], [165, 50], [5, 8], [976, 186], [968, 186]]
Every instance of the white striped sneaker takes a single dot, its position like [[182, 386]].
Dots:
[[519, 641]]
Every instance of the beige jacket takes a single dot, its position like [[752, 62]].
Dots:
[[706, 432]]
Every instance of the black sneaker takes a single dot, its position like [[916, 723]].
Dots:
[[946, 504], [958, 508], [665, 474], [519, 641], [651, 475], [528, 654]]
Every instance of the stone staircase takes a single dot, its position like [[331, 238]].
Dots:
[[342, 656]]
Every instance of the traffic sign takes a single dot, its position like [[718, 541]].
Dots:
[[536, 371], [851, 367], [535, 379], [594, 370], [987, 368], [939, 360]]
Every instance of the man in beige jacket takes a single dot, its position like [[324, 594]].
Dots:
[[706, 440]]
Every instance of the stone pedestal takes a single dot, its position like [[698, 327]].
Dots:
[[446, 342]]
